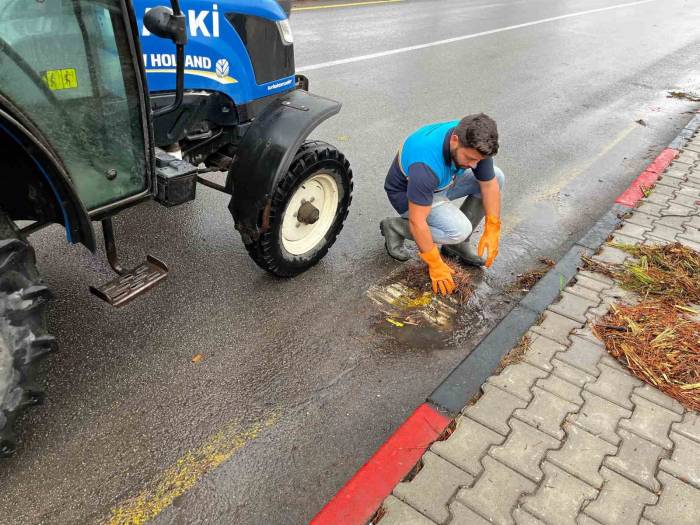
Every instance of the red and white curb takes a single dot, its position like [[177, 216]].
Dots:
[[632, 195], [359, 499]]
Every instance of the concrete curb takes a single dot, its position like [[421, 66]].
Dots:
[[357, 501]]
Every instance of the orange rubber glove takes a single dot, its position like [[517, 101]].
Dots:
[[440, 273], [489, 239]]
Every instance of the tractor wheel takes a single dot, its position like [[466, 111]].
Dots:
[[307, 212], [23, 336]]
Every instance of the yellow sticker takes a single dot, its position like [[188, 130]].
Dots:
[[59, 79]]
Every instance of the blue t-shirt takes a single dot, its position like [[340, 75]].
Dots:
[[424, 166]]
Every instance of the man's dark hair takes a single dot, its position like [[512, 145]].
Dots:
[[479, 132]]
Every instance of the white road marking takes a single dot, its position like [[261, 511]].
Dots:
[[400, 50]]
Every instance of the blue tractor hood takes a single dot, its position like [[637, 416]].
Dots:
[[241, 48]]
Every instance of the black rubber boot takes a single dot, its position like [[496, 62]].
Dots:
[[473, 208], [395, 231]]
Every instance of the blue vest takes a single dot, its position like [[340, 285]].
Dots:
[[426, 145]]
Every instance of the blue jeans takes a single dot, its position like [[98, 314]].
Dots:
[[447, 223]]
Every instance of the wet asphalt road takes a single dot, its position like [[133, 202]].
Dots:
[[297, 388]]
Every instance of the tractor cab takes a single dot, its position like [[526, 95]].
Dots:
[[71, 80]]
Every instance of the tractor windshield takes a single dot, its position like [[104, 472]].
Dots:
[[67, 66]]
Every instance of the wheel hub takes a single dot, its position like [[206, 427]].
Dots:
[[308, 213]]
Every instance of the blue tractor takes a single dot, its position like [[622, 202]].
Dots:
[[244, 111], [106, 104]]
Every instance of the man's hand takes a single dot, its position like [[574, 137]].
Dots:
[[489, 239], [491, 194], [440, 273]]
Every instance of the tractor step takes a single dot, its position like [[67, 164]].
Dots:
[[132, 283]]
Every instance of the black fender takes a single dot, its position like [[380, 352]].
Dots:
[[35, 184], [265, 153]]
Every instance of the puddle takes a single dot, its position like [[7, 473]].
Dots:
[[406, 307], [410, 317]]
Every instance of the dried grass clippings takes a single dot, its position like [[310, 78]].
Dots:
[[525, 281], [659, 338], [416, 276], [671, 271], [516, 355], [660, 343]]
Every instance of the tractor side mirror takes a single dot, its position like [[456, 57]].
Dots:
[[163, 23], [170, 23]]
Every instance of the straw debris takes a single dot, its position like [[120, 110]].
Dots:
[[416, 276], [671, 271], [516, 355], [659, 338], [525, 281], [660, 343]]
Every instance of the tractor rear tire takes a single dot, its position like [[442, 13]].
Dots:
[[321, 176], [23, 336]]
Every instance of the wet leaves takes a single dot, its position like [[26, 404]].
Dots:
[[525, 281]]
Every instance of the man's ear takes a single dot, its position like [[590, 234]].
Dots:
[[454, 140]]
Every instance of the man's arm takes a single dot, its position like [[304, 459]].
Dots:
[[440, 273], [491, 195], [422, 182], [418, 223]]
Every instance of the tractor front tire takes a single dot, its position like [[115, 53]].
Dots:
[[308, 208], [23, 336]]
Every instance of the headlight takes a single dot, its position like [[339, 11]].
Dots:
[[285, 30]]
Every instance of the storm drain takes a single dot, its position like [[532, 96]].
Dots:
[[405, 306]]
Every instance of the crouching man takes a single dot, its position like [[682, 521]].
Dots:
[[437, 164]]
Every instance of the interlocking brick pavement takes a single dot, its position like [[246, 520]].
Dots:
[[620, 501], [582, 455], [685, 461], [525, 449], [560, 497], [679, 503], [638, 459], [496, 492], [568, 435], [468, 444], [431, 490]]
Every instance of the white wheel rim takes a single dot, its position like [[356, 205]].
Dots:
[[321, 190]]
